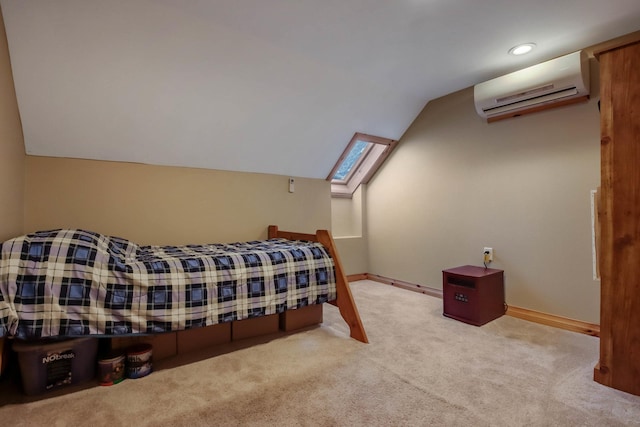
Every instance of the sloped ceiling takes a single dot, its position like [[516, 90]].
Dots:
[[273, 86]]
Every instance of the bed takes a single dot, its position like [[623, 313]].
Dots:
[[71, 283]]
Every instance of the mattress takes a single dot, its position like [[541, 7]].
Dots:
[[72, 282]]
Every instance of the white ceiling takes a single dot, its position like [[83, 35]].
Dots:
[[273, 86]]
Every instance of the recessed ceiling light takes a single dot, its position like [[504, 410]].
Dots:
[[521, 49]]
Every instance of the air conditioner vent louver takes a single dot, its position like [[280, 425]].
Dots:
[[536, 100], [531, 92], [553, 83]]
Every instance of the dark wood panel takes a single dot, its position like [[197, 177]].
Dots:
[[619, 365]]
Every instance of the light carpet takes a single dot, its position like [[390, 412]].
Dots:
[[420, 369]]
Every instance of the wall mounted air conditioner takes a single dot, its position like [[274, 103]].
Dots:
[[558, 82]]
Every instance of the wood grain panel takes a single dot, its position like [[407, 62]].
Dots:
[[619, 365], [555, 321]]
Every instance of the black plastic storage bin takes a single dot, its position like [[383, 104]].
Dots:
[[49, 365]]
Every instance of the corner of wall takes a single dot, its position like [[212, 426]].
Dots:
[[12, 153], [348, 224]]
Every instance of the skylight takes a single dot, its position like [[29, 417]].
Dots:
[[352, 158], [358, 163]]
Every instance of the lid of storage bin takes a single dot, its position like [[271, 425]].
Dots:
[[48, 344], [111, 357], [139, 349]]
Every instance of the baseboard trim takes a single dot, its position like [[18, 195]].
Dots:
[[518, 312], [356, 277], [555, 321], [406, 285]]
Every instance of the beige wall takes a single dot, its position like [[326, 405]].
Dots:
[[348, 224], [169, 205], [346, 215], [522, 186], [11, 149], [353, 254]]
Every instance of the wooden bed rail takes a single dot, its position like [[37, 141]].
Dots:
[[344, 300]]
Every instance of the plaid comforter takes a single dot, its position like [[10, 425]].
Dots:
[[76, 282]]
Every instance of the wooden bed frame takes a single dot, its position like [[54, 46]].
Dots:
[[344, 300], [183, 342], [188, 341], [180, 342]]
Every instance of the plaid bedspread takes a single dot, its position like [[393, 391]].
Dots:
[[76, 282]]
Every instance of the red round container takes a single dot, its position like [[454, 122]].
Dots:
[[139, 361], [111, 369]]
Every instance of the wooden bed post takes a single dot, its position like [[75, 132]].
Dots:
[[344, 300]]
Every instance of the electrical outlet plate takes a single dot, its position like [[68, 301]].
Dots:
[[488, 254]]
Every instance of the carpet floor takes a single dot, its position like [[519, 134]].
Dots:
[[419, 369]]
